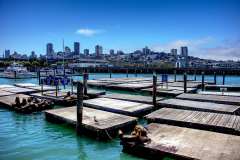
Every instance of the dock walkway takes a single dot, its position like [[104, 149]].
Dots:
[[186, 143], [223, 123], [199, 106], [100, 124]]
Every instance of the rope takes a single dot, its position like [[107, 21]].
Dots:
[[108, 134]]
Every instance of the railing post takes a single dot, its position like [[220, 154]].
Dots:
[[79, 107]]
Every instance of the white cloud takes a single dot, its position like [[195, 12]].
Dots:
[[88, 32], [225, 50]]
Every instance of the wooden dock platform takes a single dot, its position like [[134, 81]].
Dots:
[[236, 94], [199, 106], [228, 87], [107, 123], [163, 92], [132, 86], [19, 90], [190, 84], [132, 98], [5, 93], [186, 143], [232, 100], [218, 122], [8, 100], [119, 106]]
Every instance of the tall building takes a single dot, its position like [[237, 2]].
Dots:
[[146, 51], [49, 49], [184, 54], [76, 48], [111, 52], [174, 52], [7, 54], [33, 55], [98, 50], [86, 52]]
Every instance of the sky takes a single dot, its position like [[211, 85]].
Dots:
[[210, 28]]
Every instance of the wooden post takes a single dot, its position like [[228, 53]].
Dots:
[[85, 76], [215, 78], [223, 82], [135, 72], [175, 75], [185, 82], [72, 85], [15, 74], [56, 92], [42, 86], [39, 77], [154, 93], [127, 73], [79, 107], [195, 75], [110, 73], [203, 81]]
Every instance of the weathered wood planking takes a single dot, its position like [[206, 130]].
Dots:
[[186, 143], [119, 106], [7, 101], [6, 86], [132, 98], [5, 93], [217, 87], [107, 122], [233, 100], [164, 92], [131, 86], [199, 106], [93, 93], [218, 122], [19, 90], [189, 84], [237, 94]]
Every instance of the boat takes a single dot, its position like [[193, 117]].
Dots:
[[16, 70]]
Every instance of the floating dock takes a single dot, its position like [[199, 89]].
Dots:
[[199, 106], [7, 101], [132, 98], [5, 93], [228, 87], [237, 94], [133, 86], [218, 122], [164, 92], [233, 100], [19, 90], [185, 143], [119, 106], [97, 123]]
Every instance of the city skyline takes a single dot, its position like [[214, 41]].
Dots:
[[209, 32]]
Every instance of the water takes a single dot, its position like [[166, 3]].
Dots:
[[25, 137]]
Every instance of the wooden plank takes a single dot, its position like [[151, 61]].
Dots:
[[131, 86], [98, 122], [196, 119], [237, 94], [19, 90], [5, 93], [233, 100], [119, 106], [200, 106], [132, 98], [186, 143]]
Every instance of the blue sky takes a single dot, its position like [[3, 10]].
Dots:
[[209, 28]]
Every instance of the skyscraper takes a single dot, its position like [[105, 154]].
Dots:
[[146, 51], [98, 50], [86, 52], [111, 52], [7, 54], [184, 54], [49, 49], [76, 48], [174, 52]]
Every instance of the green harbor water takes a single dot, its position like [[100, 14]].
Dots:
[[27, 137]]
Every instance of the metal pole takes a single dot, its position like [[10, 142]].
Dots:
[[185, 82], [79, 107], [215, 78], [154, 93], [223, 82], [203, 81]]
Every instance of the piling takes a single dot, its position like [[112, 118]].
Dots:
[[85, 77], [56, 91], [202, 81], [154, 93], [185, 82], [110, 73], [39, 77], [41, 86], [223, 82], [15, 74], [215, 78], [79, 107], [135, 72], [175, 75], [195, 75], [72, 85], [127, 72]]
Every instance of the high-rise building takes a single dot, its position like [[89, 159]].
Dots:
[[146, 51], [33, 55], [7, 54], [49, 49], [111, 52], [98, 50], [76, 48], [86, 52], [174, 52], [184, 54]]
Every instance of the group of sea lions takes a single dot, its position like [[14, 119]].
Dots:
[[31, 104]]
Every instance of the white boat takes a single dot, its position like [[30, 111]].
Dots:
[[16, 70]]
